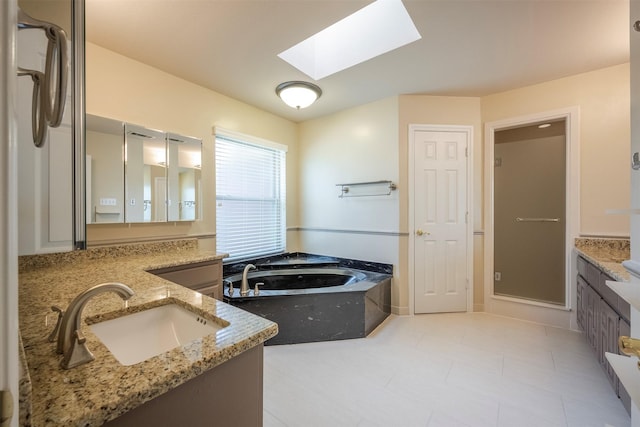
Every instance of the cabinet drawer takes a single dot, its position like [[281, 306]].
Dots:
[[606, 292], [582, 267], [624, 309], [593, 276], [193, 277]]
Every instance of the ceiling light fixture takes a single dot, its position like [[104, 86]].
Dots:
[[298, 94], [544, 125]]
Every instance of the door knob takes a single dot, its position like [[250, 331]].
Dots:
[[419, 232]]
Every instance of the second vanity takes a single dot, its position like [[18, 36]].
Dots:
[[601, 313], [189, 381]]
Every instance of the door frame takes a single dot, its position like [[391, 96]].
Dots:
[[9, 348], [508, 305], [468, 130]]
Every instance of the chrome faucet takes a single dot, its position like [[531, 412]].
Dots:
[[244, 285], [71, 341]]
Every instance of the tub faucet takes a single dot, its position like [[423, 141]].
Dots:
[[71, 341], [244, 285]]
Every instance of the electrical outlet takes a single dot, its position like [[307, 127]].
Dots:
[[497, 276]]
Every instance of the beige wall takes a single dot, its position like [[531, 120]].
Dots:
[[56, 11], [356, 145], [635, 136], [369, 143], [603, 99], [123, 89], [435, 110]]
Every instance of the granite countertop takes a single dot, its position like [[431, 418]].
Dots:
[[99, 391], [607, 254]]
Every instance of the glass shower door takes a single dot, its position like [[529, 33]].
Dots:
[[529, 216]]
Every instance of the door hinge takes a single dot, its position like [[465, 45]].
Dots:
[[466, 218], [6, 408], [466, 151]]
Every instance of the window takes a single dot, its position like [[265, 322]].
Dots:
[[250, 196]]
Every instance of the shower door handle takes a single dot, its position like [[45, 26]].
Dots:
[[518, 219]]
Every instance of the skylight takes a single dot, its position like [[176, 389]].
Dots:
[[378, 28]]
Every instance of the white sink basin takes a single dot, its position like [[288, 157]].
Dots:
[[137, 337]]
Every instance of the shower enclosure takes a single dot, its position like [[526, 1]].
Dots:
[[529, 212]]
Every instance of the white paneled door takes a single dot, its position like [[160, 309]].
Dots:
[[440, 217]]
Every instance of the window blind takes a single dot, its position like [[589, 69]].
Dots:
[[250, 199]]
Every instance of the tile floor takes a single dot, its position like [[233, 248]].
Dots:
[[441, 370]]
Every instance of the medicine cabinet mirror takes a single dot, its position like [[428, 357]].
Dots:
[[146, 174], [162, 176], [185, 158], [104, 170]]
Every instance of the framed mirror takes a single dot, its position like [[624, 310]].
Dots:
[[145, 174], [184, 177], [104, 170]]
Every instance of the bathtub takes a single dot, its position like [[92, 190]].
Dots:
[[314, 302]]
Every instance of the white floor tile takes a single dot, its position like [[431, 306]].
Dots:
[[511, 416], [442, 370]]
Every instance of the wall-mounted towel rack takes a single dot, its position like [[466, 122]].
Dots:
[[50, 87], [387, 186]]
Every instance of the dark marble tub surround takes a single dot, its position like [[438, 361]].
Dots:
[[302, 260], [322, 316], [317, 313]]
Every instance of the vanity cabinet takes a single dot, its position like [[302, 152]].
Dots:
[[231, 394], [204, 277], [603, 316]]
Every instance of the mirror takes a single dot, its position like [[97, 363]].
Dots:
[[104, 170], [135, 174], [184, 189], [145, 175]]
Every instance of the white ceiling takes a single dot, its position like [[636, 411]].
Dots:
[[468, 47]]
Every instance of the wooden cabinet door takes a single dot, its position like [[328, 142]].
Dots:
[[608, 340], [581, 309], [593, 310], [624, 329]]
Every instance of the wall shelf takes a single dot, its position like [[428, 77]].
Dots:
[[384, 188]]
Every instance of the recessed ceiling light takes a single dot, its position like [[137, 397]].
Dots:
[[544, 125], [380, 27]]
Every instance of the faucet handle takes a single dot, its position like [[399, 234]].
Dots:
[[230, 287], [79, 336], [256, 290], [54, 334]]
